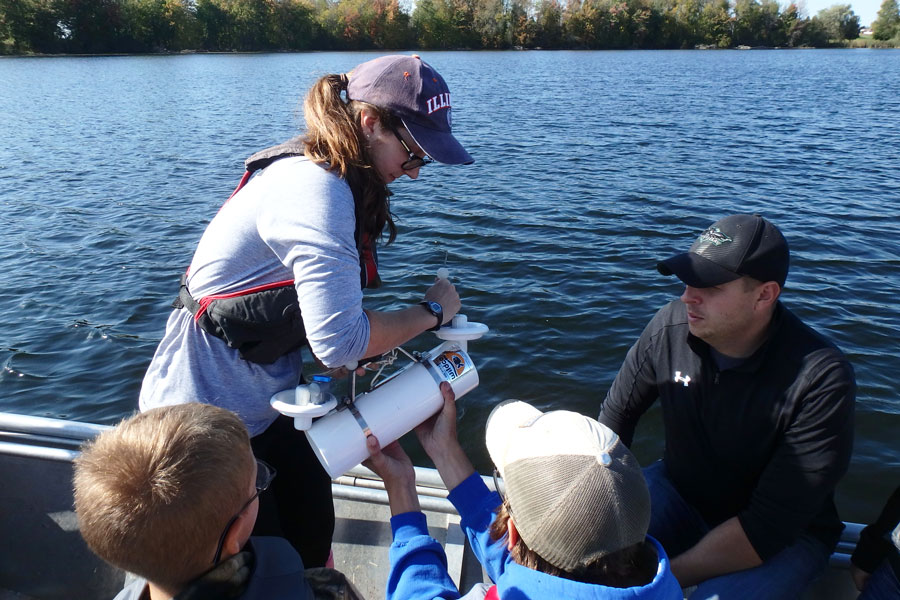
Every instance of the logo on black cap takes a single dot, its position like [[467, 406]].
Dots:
[[714, 236]]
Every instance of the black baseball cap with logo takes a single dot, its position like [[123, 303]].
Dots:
[[729, 249]]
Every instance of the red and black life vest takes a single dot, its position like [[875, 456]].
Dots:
[[263, 322]]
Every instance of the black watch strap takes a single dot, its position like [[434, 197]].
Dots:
[[437, 310]]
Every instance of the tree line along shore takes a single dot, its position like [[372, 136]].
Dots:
[[144, 26]]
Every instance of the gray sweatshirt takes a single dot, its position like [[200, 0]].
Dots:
[[294, 220]]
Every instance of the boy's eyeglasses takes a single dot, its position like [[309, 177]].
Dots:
[[499, 487], [415, 161], [265, 473]]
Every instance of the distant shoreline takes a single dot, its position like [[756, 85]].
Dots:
[[848, 46], [152, 27]]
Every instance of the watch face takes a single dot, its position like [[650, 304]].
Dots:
[[435, 307]]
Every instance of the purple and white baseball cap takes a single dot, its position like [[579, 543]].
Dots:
[[411, 89]]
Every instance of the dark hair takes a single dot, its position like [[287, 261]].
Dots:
[[334, 138], [629, 567]]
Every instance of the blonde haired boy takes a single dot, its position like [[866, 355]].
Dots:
[[170, 495]]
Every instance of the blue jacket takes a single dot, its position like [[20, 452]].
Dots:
[[419, 565]]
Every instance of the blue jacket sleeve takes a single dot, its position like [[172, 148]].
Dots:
[[477, 507], [418, 563]]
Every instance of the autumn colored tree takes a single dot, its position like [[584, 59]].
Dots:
[[522, 30], [366, 24], [579, 23]]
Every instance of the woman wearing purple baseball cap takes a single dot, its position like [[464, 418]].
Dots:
[[283, 265]]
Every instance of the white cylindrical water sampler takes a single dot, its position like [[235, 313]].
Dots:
[[392, 409]]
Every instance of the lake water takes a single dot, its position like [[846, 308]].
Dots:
[[590, 167]]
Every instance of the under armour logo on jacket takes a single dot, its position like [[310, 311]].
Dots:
[[685, 379]]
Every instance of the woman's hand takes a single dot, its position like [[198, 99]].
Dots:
[[343, 372], [444, 293], [390, 329]]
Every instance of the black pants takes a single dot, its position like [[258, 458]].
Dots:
[[298, 506]]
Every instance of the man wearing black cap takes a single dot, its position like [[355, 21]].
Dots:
[[758, 414]]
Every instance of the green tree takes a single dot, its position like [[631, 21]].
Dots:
[[688, 23], [683, 25], [839, 22], [491, 23], [162, 25], [717, 24], [887, 23], [93, 26], [250, 19], [342, 25], [787, 24], [214, 24], [756, 23], [613, 24], [643, 24], [235, 24], [348, 24], [810, 32], [549, 20], [430, 30], [293, 26], [445, 24], [599, 23], [29, 26]]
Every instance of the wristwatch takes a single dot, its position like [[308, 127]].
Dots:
[[437, 310]]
